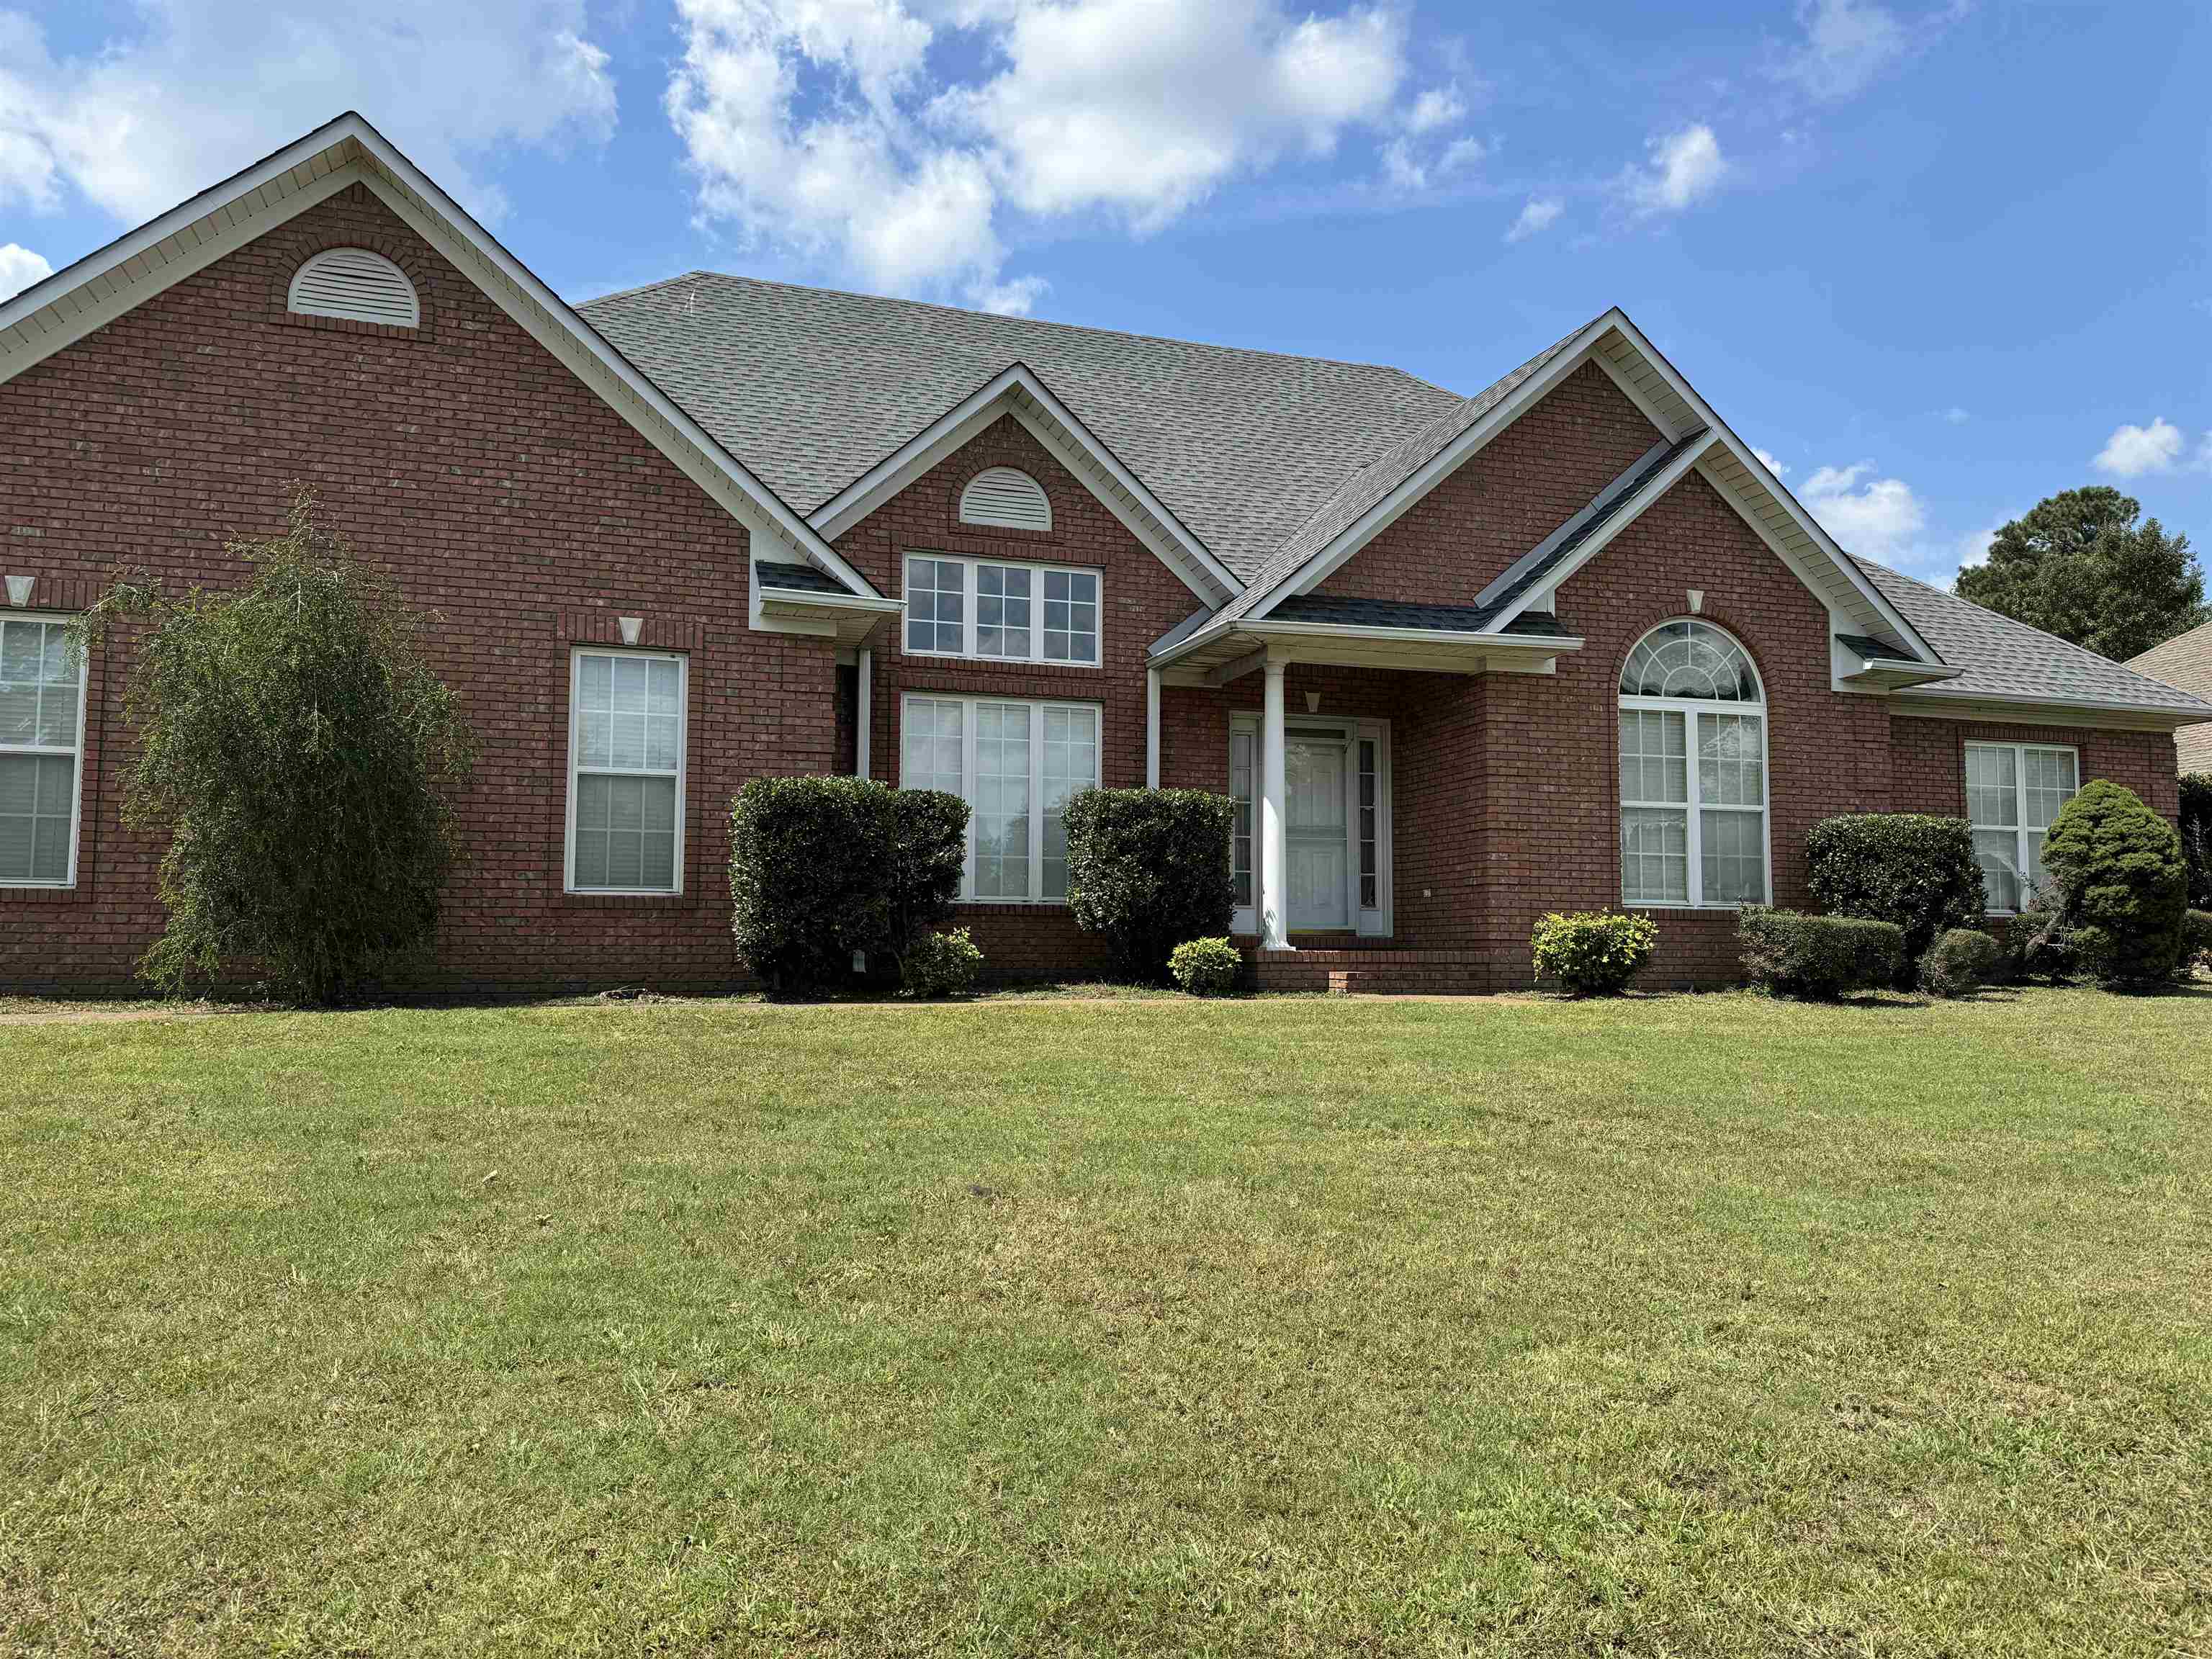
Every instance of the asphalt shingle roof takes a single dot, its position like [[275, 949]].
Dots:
[[772, 573], [1875, 650], [2185, 661], [809, 388], [2003, 658], [1392, 613]]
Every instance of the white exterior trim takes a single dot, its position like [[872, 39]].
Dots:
[[970, 702], [1366, 921], [76, 792], [576, 655], [2020, 827], [969, 622], [66, 306]]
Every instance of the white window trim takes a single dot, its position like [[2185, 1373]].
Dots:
[[1037, 659], [1693, 709], [2020, 827], [576, 655], [76, 795], [1036, 706], [1368, 921]]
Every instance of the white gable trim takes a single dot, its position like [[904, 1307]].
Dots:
[[70, 304], [1018, 390]]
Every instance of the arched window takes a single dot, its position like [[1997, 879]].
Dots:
[[1001, 496], [357, 284], [1693, 770]]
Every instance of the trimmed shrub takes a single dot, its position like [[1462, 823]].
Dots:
[[301, 757], [1205, 967], [2037, 947], [822, 868], [1817, 957], [1148, 869], [2196, 837], [2116, 865], [939, 965], [1961, 960], [1916, 871], [1593, 952]]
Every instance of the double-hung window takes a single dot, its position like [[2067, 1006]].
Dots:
[[41, 751], [626, 729], [1000, 611], [1692, 771], [1015, 763], [2014, 791]]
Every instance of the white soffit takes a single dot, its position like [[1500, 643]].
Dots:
[[85, 296]]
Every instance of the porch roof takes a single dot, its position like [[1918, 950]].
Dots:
[[1359, 632]]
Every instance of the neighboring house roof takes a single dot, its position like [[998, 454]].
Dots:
[[2185, 661], [2002, 661], [815, 388], [67, 305]]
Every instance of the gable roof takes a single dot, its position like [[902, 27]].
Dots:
[[815, 388], [65, 307], [2002, 661]]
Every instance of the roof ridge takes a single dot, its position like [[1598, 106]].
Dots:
[[1021, 321]]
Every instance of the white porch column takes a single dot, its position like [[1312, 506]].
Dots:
[[1275, 860], [1151, 728], [863, 712]]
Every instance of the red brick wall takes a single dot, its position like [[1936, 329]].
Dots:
[[1141, 599], [1928, 760], [501, 492], [1519, 488]]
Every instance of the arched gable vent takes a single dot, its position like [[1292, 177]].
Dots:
[[360, 286], [1011, 499]]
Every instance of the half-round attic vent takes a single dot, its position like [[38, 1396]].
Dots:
[[1011, 499], [355, 284]]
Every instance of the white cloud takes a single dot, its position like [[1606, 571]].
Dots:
[[1436, 108], [2132, 451], [1405, 169], [1877, 519], [1847, 43], [1956, 416], [203, 88], [1776, 468], [815, 126], [1685, 168], [19, 269], [1539, 216], [1973, 547]]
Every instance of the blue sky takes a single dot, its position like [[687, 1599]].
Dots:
[[1937, 259]]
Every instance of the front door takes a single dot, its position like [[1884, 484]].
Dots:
[[1315, 774]]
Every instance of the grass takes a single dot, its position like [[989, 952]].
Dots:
[[1683, 1326]]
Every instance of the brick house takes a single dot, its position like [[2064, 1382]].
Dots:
[[1565, 644]]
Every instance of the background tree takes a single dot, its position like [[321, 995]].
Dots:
[[301, 756], [2078, 565]]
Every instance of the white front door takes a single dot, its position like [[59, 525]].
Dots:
[[1315, 826]]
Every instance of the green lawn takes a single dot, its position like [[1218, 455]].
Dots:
[[1682, 1325]]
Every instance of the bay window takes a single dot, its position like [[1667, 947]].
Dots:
[[2014, 791], [1015, 763], [1001, 611], [41, 751], [626, 741], [1693, 827]]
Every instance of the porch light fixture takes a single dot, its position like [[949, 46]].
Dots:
[[19, 590], [633, 628]]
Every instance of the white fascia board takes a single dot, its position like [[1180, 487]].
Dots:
[[1949, 703], [1804, 520], [1535, 644], [1151, 522], [341, 152], [1603, 538], [1325, 561]]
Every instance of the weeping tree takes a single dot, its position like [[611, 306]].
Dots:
[[302, 759]]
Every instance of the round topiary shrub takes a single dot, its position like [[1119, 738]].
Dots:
[[2116, 865], [1593, 953], [1205, 967], [1961, 960], [940, 964]]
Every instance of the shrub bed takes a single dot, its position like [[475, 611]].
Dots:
[[1147, 870], [1593, 952], [1818, 957], [1918, 871], [1205, 967]]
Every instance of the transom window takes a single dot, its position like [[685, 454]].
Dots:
[[41, 751], [626, 772], [1015, 764], [2013, 792], [1005, 612], [1692, 771]]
